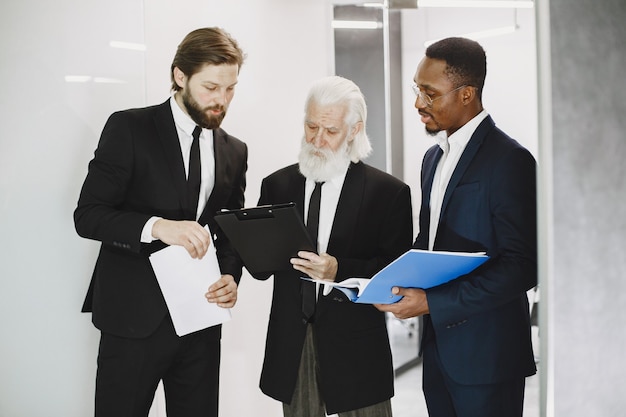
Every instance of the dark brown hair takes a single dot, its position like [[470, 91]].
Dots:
[[203, 46]]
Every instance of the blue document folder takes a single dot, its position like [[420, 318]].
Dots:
[[415, 268]]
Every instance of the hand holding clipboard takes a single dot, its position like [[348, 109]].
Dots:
[[266, 237]]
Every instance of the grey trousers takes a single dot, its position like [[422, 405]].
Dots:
[[307, 400]]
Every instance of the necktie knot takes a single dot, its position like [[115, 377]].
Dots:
[[196, 133]]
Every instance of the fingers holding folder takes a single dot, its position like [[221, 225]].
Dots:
[[413, 303]]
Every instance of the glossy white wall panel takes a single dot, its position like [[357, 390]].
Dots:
[[48, 131]]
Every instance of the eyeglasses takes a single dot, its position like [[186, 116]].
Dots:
[[428, 101]]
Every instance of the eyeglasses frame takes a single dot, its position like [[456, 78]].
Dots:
[[428, 101]]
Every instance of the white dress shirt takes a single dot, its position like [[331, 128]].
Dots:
[[185, 127], [328, 206], [329, 199], [453, 148]]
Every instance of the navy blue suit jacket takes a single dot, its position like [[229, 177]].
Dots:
[[481, 320]]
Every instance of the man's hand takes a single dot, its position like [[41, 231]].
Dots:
[[189, 234], [223, 292], [414, 303], [316, 266]]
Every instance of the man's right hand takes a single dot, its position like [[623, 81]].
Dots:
[[187, 233]]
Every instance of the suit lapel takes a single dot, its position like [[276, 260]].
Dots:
[[168, 136], [431, 159], [468, 155], [294, 192], [430, 165], [296, 188], [220, 156], [222, 173], [350, 200]]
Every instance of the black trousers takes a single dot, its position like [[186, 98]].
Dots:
[[129, 371]]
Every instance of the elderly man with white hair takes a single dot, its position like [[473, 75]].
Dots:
[[324, 353]]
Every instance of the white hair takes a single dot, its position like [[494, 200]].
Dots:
[[338, 90]]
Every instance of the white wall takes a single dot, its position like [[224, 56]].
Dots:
[[48, 132], [49, 129]]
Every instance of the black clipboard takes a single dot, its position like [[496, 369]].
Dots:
[[266, 237]]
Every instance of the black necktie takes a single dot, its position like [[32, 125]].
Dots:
[[312, 224], [193, 179]]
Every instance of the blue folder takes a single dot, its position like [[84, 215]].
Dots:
[[415, 268]]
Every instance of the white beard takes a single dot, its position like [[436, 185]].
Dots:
[[322, 165]]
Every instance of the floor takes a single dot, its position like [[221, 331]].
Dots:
[[409, 400]]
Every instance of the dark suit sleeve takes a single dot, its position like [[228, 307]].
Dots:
[[102, 213], [229, 260], [507, 224]]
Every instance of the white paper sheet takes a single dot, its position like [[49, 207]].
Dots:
[[184, 281]]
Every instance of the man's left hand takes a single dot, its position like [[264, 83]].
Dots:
[[223, 292]]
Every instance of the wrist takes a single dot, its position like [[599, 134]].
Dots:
[[148, 232]]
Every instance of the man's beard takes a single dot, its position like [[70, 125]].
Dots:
[[322, 165], [432, 132], [199, 115]]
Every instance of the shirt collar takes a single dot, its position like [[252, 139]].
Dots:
[[182, 119], [336, 181], [442, 140], [462, 136]]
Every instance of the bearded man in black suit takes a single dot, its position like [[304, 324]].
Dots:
[[136, 200]]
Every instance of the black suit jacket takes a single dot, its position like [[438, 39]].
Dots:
[[481, 321], [372, 226], [138, 172]]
